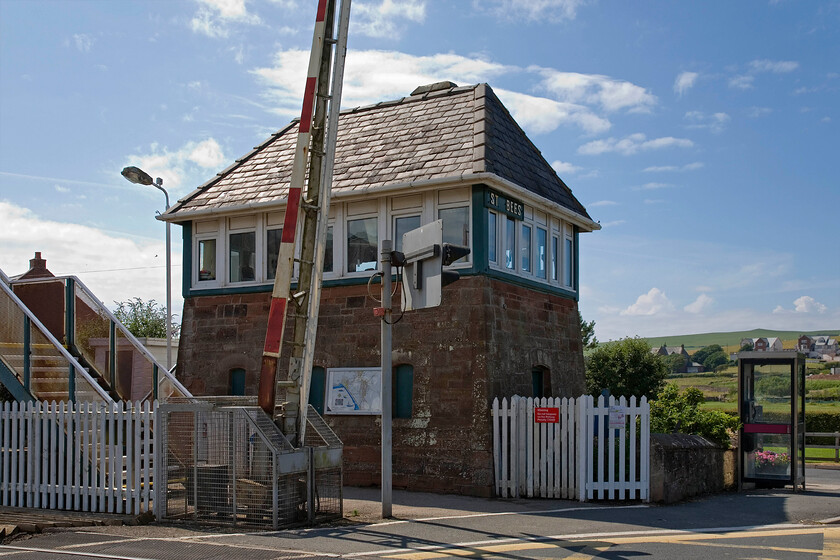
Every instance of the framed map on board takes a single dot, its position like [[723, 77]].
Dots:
[[354, 391]]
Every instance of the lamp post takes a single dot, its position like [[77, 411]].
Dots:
[[140, 177]]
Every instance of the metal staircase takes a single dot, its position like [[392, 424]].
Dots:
[[74, 349]]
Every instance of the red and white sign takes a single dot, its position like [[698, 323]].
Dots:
[[546, 415]]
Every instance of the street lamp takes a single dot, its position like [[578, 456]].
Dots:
[[140, 177]]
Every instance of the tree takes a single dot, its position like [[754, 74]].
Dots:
[[675, 362], [675, 411], [587, 332], [701, 355], [144, 319], [747, 347], [714, 360], [626, 367]]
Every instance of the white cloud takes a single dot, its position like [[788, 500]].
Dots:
[[114, 268], [214, 17], [531, 10], [803, 304], [83, 42], [540, 115], [185, 167], [594, 89], [603, 203], [774, 66], [702, 302], [684, 82], [632, 144], [756, 112], [373, 75], [651, 303], [741, 82], [661, 168], [61, 189], [564, 167], [714, 122], [653, 187], [613, 223], [380, 19]]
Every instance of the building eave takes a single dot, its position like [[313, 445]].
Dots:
[[464, 179]]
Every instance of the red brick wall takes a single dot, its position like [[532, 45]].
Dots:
[[480, 344]]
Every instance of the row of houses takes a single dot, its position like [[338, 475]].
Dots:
[[821, 346]]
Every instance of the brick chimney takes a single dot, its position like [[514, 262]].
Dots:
[[37, 268]]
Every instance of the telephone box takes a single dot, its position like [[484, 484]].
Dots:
[[771, 405]]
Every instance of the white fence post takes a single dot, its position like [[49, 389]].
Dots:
[[55, 456]]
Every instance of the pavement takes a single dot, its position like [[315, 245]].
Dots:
[[363, 506]]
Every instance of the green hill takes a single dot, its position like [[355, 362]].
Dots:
[[694, 342]]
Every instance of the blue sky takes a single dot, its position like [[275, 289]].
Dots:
[[702, 135]]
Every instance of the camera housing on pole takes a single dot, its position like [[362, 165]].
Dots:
[[425, 256]]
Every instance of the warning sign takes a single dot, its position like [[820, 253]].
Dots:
[[546, 415], [617, 417]]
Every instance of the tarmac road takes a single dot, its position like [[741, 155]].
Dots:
[[755, 524]]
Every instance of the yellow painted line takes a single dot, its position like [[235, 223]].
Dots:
[[472, 551], [593, 547], [831, 544]]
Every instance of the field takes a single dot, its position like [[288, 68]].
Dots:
[[730, 341], [721, 391]]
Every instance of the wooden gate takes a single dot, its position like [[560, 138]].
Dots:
[[572, 448]]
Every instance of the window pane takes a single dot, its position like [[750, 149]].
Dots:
[[555, 258], [541, 256], [567, 268], [526, 248], [362, 242], [328, 253], [491, 237], [242, 257], [403, 225], [456, 227], [510, 243], [207, 259], [272, 244]]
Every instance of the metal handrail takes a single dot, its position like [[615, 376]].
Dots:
[[143, 350], [54, 341], [107, 312]]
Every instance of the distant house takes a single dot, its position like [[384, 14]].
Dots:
[[818, 346], [764, 344], [689, 367]]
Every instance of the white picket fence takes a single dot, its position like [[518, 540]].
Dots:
[[572, 448], [83, 457]]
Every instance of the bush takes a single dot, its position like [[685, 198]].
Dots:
[[626, 368], [675, 411]]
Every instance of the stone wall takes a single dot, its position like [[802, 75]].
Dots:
[[481, 343], [683, 465]]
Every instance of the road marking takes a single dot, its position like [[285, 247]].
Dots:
[[501, 513], [71, 553], [592, 545]]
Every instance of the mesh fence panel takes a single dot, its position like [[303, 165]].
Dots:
[[231, 465]]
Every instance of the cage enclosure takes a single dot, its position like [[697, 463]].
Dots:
[[222, 460]]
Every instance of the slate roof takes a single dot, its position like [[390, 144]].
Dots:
[[454, 133]]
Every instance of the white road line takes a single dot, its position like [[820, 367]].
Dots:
[[71, 553]]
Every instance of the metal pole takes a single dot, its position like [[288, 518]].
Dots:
[[159, 185], [385, 259]]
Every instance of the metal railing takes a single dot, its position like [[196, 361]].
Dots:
[[107, 346], [835, 447], [31, 353]]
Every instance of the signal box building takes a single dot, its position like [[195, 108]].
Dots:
[[508, 326]]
